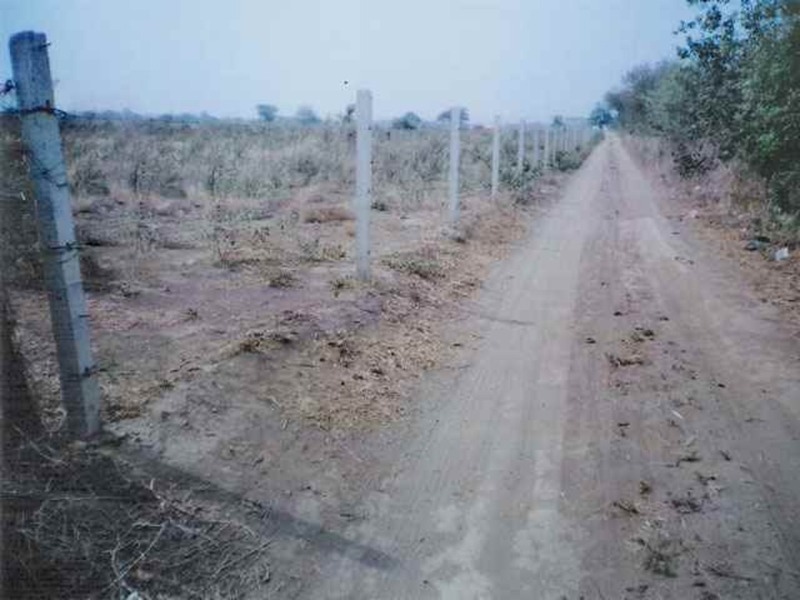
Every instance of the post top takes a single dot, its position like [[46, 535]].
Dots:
[[31, 37], [31, 69]]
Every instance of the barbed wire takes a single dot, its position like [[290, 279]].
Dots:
[[9, 87]]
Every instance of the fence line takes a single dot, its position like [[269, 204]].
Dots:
[[40, 130]]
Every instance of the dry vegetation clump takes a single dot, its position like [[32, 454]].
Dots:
[[422, 263], [327, 214], [78, 523]]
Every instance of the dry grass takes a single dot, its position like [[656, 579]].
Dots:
[[77, 523]]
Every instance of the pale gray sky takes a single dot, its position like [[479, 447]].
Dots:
[[517, 58]]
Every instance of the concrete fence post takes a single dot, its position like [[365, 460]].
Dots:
[[363, 201], [41, 137], [521, 147], [546, 148], [496, 158], [455, 151]]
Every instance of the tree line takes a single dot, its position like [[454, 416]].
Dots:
[[305, 115], [734, 86]]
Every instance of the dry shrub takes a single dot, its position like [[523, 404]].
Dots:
[[327, 214], [421, 263], [283, 278], [316, 251]]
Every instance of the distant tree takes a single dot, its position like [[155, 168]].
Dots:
[[349, 113], [408, 121], [558, 121], [601, 116], [444, 117], [306, 116], [267, 112]]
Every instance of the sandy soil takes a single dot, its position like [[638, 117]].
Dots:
[[626, 427]]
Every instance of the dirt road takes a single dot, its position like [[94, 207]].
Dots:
[[629, 427]]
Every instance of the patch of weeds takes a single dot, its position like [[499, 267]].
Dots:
[[89, 179], [315, 251], [327, 214], [340, 284], [223, 243], [661, 556], [347, 350], [258, 340], [626, 506], [624, 361], [687, 504], [690, 457], [567, 161], [414, 263], [642, 334], [283, 278]]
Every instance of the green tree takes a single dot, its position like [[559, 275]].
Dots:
[[408, 121], [349, 113], [601, 116], [267, 112], [305, 115]]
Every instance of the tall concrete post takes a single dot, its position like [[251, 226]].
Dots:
[[547, 135], [363, 202], [496, 158], [68, 311], [455, 151]]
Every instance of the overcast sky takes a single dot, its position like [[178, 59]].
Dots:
[[516, 58]]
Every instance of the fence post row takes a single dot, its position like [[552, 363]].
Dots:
[[40, 134], [496, 158], [363, 181], [521, 147], [455, 149]]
